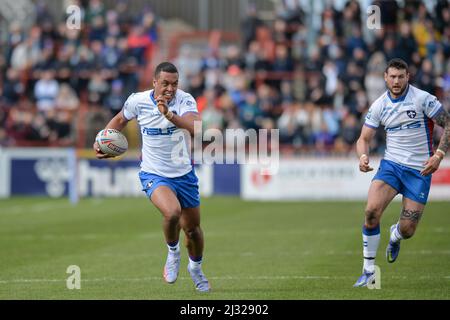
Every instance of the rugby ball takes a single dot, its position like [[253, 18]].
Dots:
[[112, 142]]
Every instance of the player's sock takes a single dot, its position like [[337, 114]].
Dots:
[[371, 240], [173, 246], [195, 262], [396, 236]]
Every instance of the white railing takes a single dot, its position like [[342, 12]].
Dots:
[[21, 11]]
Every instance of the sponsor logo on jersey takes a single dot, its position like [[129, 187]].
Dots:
[[158, 131]]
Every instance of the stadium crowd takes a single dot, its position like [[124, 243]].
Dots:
[[316, 84], [311, 76], [48, 71]]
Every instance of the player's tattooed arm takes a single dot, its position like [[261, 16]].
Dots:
[[443, 120]]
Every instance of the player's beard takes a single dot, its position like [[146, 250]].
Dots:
[[400, 93]]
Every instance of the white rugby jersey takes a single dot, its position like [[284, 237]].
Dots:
[[165, 148], [408, 125]]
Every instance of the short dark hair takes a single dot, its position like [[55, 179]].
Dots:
[[397, 63], [166, 67]]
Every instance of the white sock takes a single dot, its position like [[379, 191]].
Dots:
[[195, 264], [371, 240], [396, 235], [175, 248]]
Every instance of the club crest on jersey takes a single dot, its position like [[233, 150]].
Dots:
[[411, 113]]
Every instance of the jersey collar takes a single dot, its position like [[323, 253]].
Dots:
[[171, 102], [399, 99], [152, 97]]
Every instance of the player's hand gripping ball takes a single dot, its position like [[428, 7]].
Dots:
[[111, 142]]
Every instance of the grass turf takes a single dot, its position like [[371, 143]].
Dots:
[[253, 250]]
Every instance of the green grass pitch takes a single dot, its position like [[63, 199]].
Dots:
[[253, 250]]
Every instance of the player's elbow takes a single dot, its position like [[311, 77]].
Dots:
[[122, 120]]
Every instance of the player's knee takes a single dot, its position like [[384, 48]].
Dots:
[[173, 216], [193, 233], [372, 217], [407, 231]]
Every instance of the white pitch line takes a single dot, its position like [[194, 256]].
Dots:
[[307, 277], [35, 208], [180, 278]]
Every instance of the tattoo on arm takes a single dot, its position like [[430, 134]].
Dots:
[[443, 120], [412, 215]]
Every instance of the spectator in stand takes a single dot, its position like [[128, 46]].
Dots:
[[27, 53], [288, 124], [138, 43], [39, 129], [425, 79], [98, 88], [406, 44], [67, 99], [250, 115], [196, 85], [98, 29], [389, 48], [12, 88], [250, 24], [62, 122], [374, 79], [356, 41], [62, 65], [45, 91], [83, 63], [95, 9], [150, 24], [330, 72], [323, 140], [350, 130], [282, 63], [15, 37], [388, 13], [110, 55], [115, 100], [212, 118], [18, 121], [46, 62]]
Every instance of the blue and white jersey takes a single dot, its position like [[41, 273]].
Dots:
[[165, 148], [408, 124]]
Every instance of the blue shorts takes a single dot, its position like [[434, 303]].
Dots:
[[407, 181], [184, 187]]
